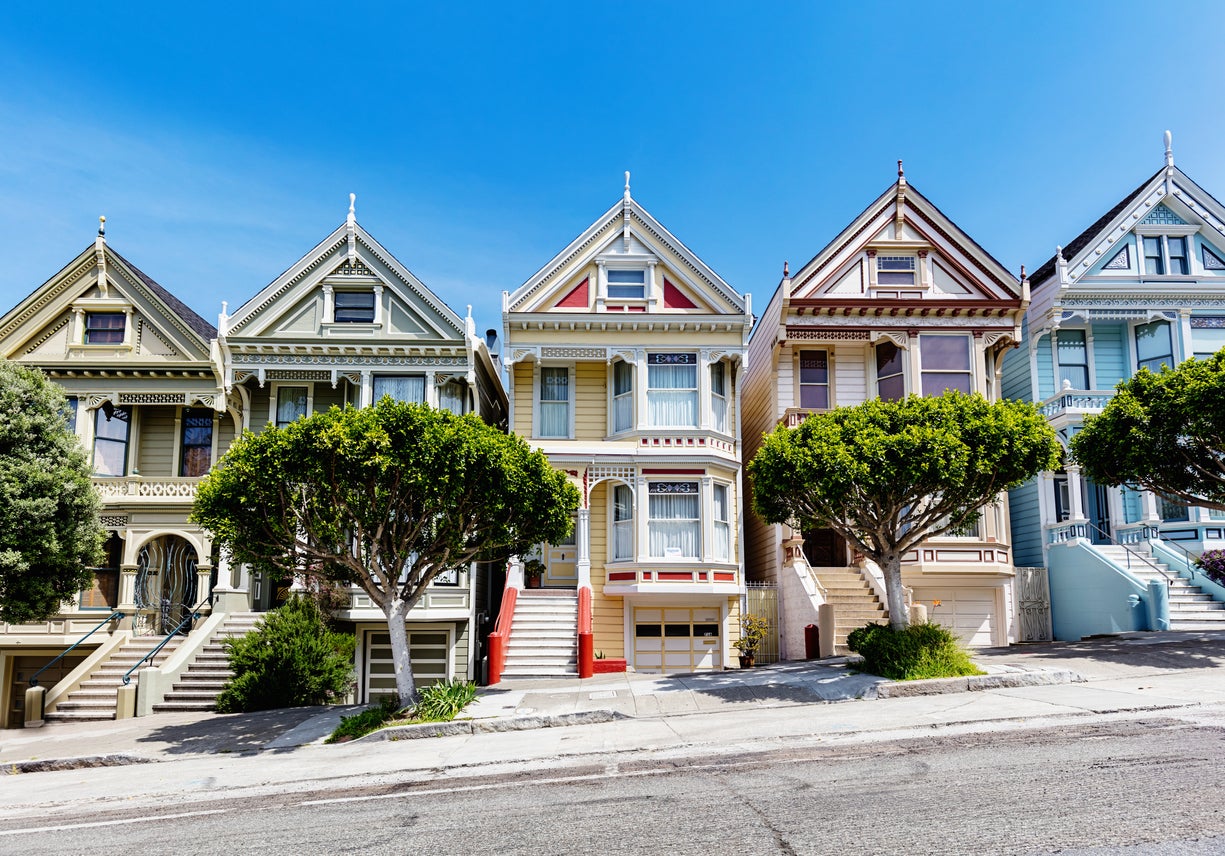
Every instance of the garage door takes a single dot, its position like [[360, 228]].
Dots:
[[677, 640], [429, 650], [968, 612]]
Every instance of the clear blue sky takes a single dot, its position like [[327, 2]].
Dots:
[[222, 141]]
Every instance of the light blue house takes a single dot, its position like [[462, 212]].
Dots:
[[1142, 287]]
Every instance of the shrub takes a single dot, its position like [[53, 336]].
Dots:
[[1212, 563], [441, 702], [918, 651], [753, 628], [363, 722], [291, 659]]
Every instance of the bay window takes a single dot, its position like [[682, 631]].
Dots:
[[1154, 347], [890, 381], [554, 403], [718, 397], [1073, 353], [722, 524], [196, 442], [623, 523], [814, 380], [623, 396], [407, 388], [111, 432], [672, 390], [945, 362], [673, 520]]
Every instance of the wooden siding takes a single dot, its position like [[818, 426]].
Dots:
[[258, 417], [590, 401], [761, 410], [325, 396], [607, 613], [1046, 376], [850, 374], [1016, 381], [1109, 355], [225, 434], [155, 452], [1026, 525], [521, 391]]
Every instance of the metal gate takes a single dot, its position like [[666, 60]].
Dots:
[[165, 585], [761, 599], [1034, 604]]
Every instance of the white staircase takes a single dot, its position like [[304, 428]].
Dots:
[[198, 687], [96, 698], [855, 602], [543, 635], [1191, 608]]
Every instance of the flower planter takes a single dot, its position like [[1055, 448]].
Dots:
[[746, 661], [609, 665]]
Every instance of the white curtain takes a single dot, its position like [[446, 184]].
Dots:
[[451, 396], [623, 522], [672, 396], [722, 528], [554, 402], [410, 388], [673, 528]]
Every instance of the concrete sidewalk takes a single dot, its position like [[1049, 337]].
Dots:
[[1121, 673]]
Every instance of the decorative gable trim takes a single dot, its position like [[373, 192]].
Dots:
[[675, 299], [578, 298]]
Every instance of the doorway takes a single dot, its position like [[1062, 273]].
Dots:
[[165, 586]]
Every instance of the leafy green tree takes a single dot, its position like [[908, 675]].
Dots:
[[291, 659], [888, 475], [1164, 431], [49, 529], [386, 497]]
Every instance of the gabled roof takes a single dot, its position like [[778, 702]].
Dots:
[[205, 330]]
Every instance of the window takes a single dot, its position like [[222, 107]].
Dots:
[[1165, 254], [1073, 358], [623, 522], [722, 521], [410, 388], [1154, 346], [1172, 511], [452, 396], [104, 328], [814, 380], [623, 396], [197, 442], [70, 413], [111, 428], [627, 283], [718, 396], [673, 525], [354, 307], [672, 390], [945, 361], [890, 383], [554, 402], [290, 404], [895, 270]]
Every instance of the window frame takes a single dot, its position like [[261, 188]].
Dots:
[[618, 399], [540, 402], [387, 376], [900, 374], [106, 333], [895, 275], [721, 527], [337, 309], [618, 524], [1164, 256], [184, 447], [1062, 364], [801, 384], [1167, 358], [719, 400], [625, 285], [275, 394], [686, 359], [657, 488], [126, 443], [924, 371]]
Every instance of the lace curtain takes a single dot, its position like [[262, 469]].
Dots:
[[672, 396], [673, 528]]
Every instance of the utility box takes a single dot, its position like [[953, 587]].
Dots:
[[812, 642]]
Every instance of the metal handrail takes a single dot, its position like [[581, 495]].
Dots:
[[193, 615], [1130, 552], [1191, 563], [68, 650]]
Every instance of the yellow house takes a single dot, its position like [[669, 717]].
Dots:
[[625, 355]]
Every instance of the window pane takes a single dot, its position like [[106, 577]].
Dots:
[[451, 396], [111, 441], [673, 527], [945, 353], [672, 395], [627, 283], [197, 442], [627, 276], [409, 388], [890, 383], [623, 378], [623, 400], [1073, 358], [555, 402], [354, 306], [814, 367], [1178, 255], [554, 384], [935, 383], [104, 328], [290, 404], [1154, 346], [1152, 256]]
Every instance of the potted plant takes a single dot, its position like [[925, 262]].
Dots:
[[533, 571], [753, 628]]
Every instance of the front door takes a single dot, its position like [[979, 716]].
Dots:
[[561, 564], [1098, 512], [165, 586], [824, 548]]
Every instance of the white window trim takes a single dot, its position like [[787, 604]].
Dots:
[[329, 305], [611, 520], [972, 372], [536, 367], [1164, 232], [907, 356], [829, 374], [274, 388], [701, 366], [612, 397]]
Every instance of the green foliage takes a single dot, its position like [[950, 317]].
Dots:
[[386, 497], [1163, 431], [442, 702], [292, 659], [753, 628], [49, 530], [910, 653], [363, 722]]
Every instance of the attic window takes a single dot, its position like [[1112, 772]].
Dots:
[[104, 328], [627, 283], [895, 270], [355, 307]]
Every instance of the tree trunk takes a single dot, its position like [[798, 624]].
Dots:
[[398, 633], [891, 566]]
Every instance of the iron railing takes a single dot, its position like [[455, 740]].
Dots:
[[1129, 552], [194, 615], [68, 650]]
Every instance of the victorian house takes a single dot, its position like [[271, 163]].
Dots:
[[625, 360], [901, 302], [1142, 287], [147, 402], [347, 324]]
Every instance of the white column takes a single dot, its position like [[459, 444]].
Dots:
[[367, 396], [704, 415], [1148, 502], [642, 504], [431, 390], [601, 286], [77, 334], [1076, 512], [582, 541], [378, 305], [127, 327], [329, 306], [654, 293], [640, 389]]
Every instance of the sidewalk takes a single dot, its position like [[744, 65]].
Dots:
[[1130, 672]]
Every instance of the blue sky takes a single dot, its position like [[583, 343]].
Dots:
[[481, 138]]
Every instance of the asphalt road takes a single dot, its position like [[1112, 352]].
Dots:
[[1144, 786]]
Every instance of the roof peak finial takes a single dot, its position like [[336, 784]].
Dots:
[[786, 270], [352, 203], [102, 226], [627, 185], [1169, 149], [901, 173]]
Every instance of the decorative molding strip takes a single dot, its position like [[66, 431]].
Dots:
[[576, 353], [47, 334], [459, 359], [113, 521], [828, 335]]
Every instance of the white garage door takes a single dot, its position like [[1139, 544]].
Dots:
[[677, 640], [968, 612], [429, 650]]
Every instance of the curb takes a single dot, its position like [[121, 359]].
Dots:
[[977, 683], [492, 726], [53, 764]]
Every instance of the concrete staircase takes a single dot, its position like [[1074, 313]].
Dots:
[[544, 635], [198, 687], [854, 601], [1191, 608], [95, 699]]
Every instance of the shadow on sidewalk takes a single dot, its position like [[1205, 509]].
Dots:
[[1168, 650], [234, 733]]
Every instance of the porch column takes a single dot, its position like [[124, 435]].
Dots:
[[1148, 502], [367, 396], [127, 588], [1077, 511], [204, 573], [642, 505], [582, 541]]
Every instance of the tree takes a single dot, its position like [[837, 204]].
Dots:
[[386, 497], [1164, 431], [888, 475], [49, 529]]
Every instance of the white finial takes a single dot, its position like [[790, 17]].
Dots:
[[352, 202], [1067, 384], [1169, 149], [1059, 254], [102, 227], [627, 184]]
